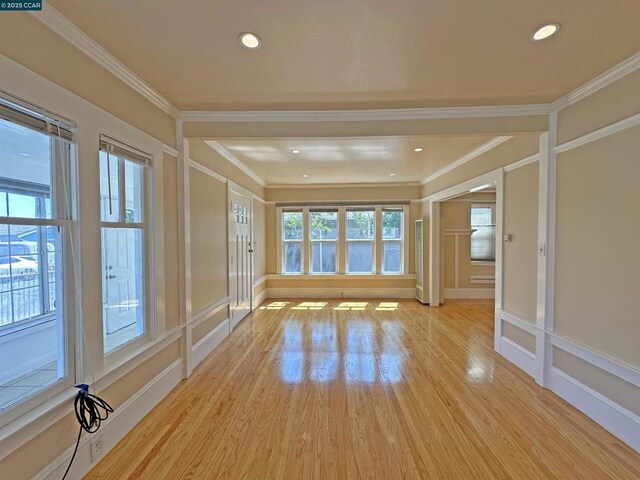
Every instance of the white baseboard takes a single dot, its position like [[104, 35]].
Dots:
[[259, 298], [210, 341], [121, 421], [518, 355], [471, 293], [341, 293], [620, 422]]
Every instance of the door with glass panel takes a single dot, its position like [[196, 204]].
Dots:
[[240, 257]]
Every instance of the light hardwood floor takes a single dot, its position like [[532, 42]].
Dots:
[[365, 389]]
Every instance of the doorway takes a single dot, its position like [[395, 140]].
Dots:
[[240, 223]]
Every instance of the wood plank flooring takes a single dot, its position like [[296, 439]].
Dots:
[[365, 390]]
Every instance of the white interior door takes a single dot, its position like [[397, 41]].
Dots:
[[240, 256]]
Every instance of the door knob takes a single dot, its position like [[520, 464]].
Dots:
[[111, 276]]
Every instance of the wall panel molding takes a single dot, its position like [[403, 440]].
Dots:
[[604, 132]]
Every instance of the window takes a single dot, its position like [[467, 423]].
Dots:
[[323, 225], [122, 211], [392, 239], [292, 241], [360, 240], [328, 240], [483, 239], [35, 219]]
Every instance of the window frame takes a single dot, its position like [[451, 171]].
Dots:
[[492, 206], [282, 241], [375, 257], [342, 242], [403, 227], [147, 228], [64, 217], [336, 241]]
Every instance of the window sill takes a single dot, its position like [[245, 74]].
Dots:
[[23, 429], [483, 263], [343, 276]]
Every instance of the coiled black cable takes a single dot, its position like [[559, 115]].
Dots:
[[90, 412]]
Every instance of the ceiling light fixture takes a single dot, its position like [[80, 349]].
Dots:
[[419, 149], [392, 174], [250, 40], [295, 151], [305, 175], [545, 32]]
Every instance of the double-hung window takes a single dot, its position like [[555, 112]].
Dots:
[[483, 239], [392, 233], [36, 277], [292, 241], [323, 226], [361, 235], [123, 173]]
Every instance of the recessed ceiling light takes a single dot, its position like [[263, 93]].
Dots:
[[419, 149], [392, 174], [305, 175], [295, 151], [545, 32], [250, 40]]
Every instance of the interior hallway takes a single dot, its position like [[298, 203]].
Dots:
[[364, 389]]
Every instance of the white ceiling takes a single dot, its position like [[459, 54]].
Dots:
[[349, 159], [360, 53]]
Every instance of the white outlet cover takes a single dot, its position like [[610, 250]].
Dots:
[[97, 446]]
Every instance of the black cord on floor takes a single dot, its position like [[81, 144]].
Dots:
[[90, 412]]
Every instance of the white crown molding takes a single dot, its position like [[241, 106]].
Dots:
[[467, 157], [343, 185], [624, 68], [366, 115], [226, 154], [60, 24]]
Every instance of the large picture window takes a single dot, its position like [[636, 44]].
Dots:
[[351, 240], [35, 219], [361, 234], [323, 226], [483, 239], [122, 193]]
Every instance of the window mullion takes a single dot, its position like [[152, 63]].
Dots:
[[341, 250], [306, 241], [122, 204], [377, 242]]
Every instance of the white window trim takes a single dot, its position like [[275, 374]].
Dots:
[[149, 239], [87, 330], [336, 241], [341, 247], [64, 214], [484, 204]]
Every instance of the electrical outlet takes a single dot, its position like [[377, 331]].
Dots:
[[96, 448]]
